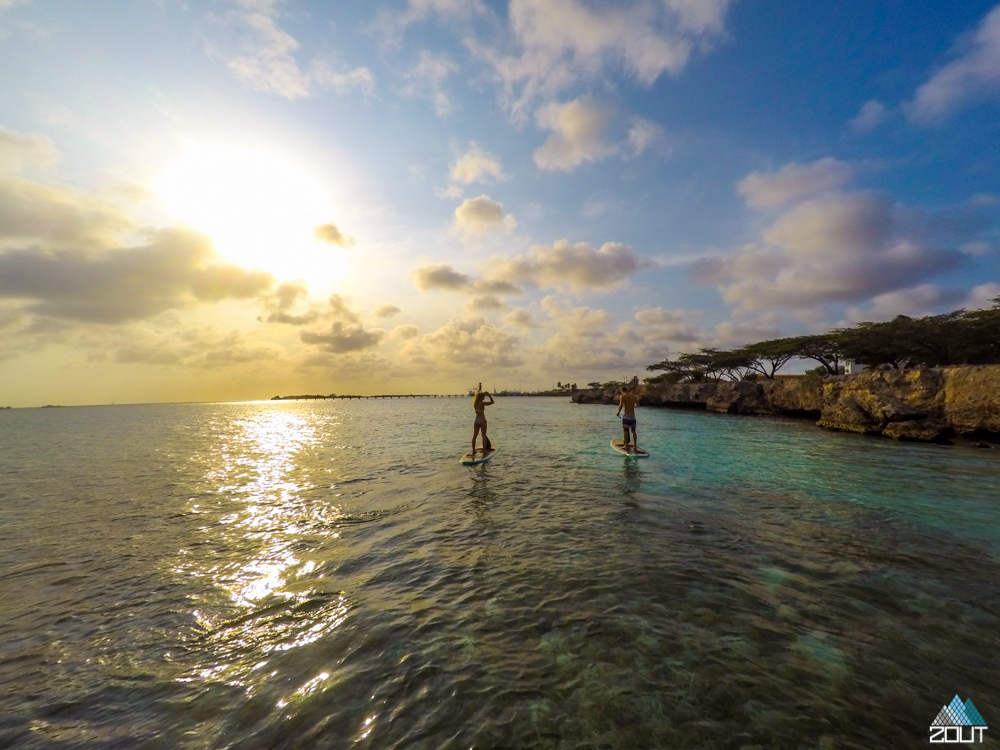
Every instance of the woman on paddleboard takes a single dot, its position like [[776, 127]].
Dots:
[[479, 403]]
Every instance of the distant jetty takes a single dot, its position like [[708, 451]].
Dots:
[[501, 394]]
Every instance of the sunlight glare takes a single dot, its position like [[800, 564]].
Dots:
[[260, 210]]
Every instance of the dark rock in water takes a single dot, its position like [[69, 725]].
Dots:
[[922, 429], [847, 415]]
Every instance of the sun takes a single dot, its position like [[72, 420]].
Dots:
[[260, 210]]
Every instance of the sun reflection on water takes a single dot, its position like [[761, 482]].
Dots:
[[276, 599]]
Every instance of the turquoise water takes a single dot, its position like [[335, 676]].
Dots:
[[326, 575]]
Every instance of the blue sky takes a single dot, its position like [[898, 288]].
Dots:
[[237, 198]]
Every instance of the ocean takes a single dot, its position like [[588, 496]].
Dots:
[[327, 575]]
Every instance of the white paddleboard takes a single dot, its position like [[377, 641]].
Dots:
[[619, 445], [478, 457]]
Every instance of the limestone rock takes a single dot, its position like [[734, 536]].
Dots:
[[746, 397], [845, 414], [921, 429], [971, 398]]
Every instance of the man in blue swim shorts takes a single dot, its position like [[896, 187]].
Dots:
[[628, 402]]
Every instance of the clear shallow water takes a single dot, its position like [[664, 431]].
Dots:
[[326, 575]]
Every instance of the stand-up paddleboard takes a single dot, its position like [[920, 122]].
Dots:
[[478, 456], [619, 445]]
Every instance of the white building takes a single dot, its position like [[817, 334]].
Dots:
[[853, 367]]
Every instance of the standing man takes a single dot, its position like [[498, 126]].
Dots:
[[627, 401]]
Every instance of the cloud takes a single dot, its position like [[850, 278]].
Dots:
[[643, 134], [578, 338], [260, 53], [283, 299], [480, 216], [391, 26], [476, 165], [469, 342], [329, 234], [359, 79], [343, 337], [386, 311], [51, 216], [176, 268], [201, 347], [578, 134], [520, 318], [870, 116], [667, 325], [4, 4], [916, 302], [445, 278], [973, 74], [578, 267], [18, 150], [404, 332], [842, 247], [792, 182], [485, 302], [556, 44], [982, 296], [426, 80], [340, 310]]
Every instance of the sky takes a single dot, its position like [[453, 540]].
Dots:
[[235, 199]]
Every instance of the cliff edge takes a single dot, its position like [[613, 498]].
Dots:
[[931, 404]]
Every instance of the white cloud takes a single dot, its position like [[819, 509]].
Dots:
[[667, 325], [580, 135], [982, 296], [331, 235], [386, 311], [870, 116], [391, 26], [4, 4], [476, 217], [555, 44], [359, 79], [840, 247], [404, 332], [262, 53], [343, 337], [444, 277], [792, 182], [643, 134], [520, 318], [578, 267], [972, 75], [463, 343], [19, 150], [485, 302], [174, 269], [916, 302], [476, 165], [578, 129], [426, 80]]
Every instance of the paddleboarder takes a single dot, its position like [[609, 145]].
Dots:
[[628, 402], [479, 403]]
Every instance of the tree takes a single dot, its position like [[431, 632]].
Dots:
[[593, 385], [825, 348], [767, 357]]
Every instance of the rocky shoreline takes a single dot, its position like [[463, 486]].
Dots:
[[921, 404]]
